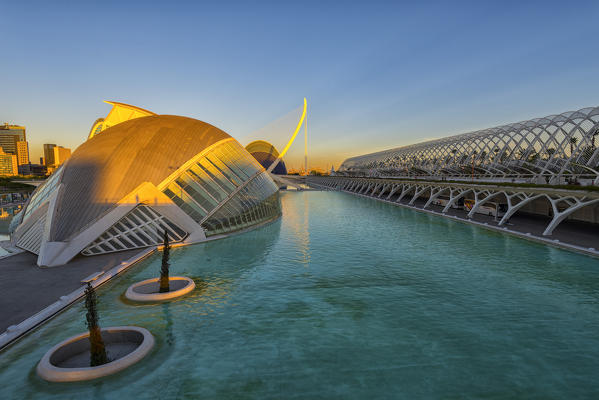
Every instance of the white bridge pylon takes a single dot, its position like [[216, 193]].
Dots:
[[297, 129]]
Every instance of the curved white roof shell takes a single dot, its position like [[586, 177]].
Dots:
[[122, 188]]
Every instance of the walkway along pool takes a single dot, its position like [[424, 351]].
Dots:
[[347, 297]]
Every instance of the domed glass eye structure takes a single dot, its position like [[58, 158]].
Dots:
[[265, 153], [132, 181]]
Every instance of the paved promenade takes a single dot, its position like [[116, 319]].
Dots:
[[27, 289]]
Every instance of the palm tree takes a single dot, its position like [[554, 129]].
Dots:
[[164, 280], [97, 349], [573, 141]]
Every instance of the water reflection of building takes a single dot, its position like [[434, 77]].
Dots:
[[140, 177]]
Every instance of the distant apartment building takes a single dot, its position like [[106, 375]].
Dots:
[[8, 164], [55, 155], [13, 140], [22, 152]]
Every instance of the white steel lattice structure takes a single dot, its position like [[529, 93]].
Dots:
[[553, 149], [141, 227]]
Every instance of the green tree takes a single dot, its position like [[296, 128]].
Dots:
[[164, 281], [97, 349]]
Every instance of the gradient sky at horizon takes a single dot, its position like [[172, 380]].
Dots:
[[377, 75]]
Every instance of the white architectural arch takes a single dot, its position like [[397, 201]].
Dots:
[[548, 150]]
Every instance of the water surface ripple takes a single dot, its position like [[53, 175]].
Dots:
[[346, 297]]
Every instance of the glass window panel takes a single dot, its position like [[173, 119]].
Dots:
[[224, 178], [190, 204], [233, 175], [207, 183], [135, 219], [202, 198], [125, 241], [236, 163], [135, 240], [114, 244], [147, 211], [151, 233], [105, 247], [143, 236]]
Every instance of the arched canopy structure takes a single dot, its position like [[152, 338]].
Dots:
[[542, 149], [266, 154]]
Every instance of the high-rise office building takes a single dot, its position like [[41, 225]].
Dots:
[[13, 140], [61, 154], [9, 136], [8, 164], [22, 152], [55, 155], [49, 154]]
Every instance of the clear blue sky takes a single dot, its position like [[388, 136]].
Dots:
[[376, 75]]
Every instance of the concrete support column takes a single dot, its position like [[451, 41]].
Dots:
[[417, 194], [435, 193], [480, 198], [393, 190], [512, 208], [574, 205], [454, 195], [407, 188]]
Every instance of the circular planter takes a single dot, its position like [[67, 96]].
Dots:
[[68, 361], [147, 291]]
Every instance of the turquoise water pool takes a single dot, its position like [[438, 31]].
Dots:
[[348, 298]]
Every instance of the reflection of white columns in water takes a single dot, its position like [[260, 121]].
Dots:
[[305, 237], [297, 218]]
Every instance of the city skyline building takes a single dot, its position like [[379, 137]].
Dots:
[[8, 164], [55, 155], [13, 140], [10, 135], [48, 154], [22, 152]]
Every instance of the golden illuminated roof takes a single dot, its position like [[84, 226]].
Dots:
[[109, 166], [261, 146], [119, 113]]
